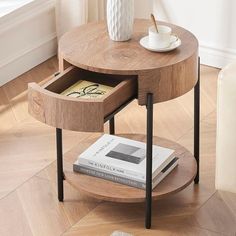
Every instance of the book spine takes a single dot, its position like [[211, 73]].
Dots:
[[111, 169], [164, 174], [108, 176]]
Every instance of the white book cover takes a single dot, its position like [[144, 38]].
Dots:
[[124, 156]]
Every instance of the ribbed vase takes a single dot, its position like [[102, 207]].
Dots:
[[120, 18]]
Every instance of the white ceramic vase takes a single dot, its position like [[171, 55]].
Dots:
[[120, 18]]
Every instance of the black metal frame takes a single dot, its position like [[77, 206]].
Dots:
[[112, 125], [149, 161], [148, 219], [197, 123], [111, 119], [60, 174]]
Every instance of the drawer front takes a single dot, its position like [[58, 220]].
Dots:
[[121, 94], [60, 112], [85, 115]]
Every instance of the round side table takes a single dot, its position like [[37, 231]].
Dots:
[[158, 77]]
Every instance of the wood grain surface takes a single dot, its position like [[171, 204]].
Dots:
[[177, 180], [47, 105], [166, 75]]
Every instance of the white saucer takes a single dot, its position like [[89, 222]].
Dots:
[[144, 42]]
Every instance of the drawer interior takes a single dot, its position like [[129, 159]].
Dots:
[[72, 75], [49, 106]]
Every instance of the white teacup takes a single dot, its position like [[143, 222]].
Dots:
[[161, 39]]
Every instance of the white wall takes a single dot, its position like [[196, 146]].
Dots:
[[212, 21], [27, 38], [143, 8]]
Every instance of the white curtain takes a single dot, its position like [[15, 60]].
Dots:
[[72, 13]]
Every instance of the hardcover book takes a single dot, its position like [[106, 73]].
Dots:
[[124, 157], [87, 89], [123, 180]]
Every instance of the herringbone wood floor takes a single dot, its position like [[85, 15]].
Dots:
[[28, 198]]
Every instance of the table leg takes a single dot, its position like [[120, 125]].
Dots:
[[197, 122], [149, 161], [112, 125], [60, 174]]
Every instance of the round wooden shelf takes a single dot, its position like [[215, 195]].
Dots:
[[176, 181]]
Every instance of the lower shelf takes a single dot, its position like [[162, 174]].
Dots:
[[177, 180]]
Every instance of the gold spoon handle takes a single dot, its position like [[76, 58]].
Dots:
[[154, 22]]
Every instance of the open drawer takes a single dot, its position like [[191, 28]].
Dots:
[[47, 105]]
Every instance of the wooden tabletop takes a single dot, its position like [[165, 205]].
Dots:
[[90, 48]]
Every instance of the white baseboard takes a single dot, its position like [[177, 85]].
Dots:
[[27, 59], [216, 56]]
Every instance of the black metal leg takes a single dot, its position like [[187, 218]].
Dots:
[[149, 161], [112, 125], [60, 174], [197, 123]]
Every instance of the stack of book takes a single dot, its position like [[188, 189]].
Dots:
[[123, 161]]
